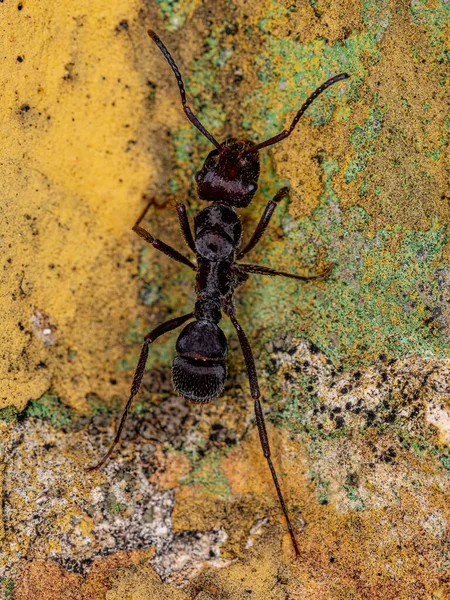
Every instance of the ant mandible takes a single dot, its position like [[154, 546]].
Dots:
[[228, 179]]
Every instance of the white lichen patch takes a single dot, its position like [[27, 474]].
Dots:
[[371, 434], [53, 509], [439, 416]]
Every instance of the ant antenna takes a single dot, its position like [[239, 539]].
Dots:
[[190, 115], [287, 132]]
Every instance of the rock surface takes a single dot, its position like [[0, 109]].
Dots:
[[354, 369]]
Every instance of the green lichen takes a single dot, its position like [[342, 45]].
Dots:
[[7, 586], [99, 406], [435, 18], [50, 406], [377, 17], [9, 414], [274, 14], [445, 460], [322, 486], [302, 69], [363, 140], [117, 507], [351, 489], [207, 473], [175, 12], [384, 295], [174, 303]]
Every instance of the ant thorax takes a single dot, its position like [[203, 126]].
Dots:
[[218, 232]]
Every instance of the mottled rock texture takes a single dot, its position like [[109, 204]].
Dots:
[[355, 370]]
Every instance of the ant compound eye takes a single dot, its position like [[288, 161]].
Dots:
[[199, 177], [251, 187], [212, 160]]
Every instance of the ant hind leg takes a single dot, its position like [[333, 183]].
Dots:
[[137, 379], [256, 395]]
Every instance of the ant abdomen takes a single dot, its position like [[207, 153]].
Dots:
[[198, 380], [199, 372]]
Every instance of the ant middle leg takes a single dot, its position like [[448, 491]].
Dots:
[[264, 221], [137, 379], [256, 395], [158, 244], [260, 270]]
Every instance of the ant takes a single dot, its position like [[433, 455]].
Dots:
[[228, 179]]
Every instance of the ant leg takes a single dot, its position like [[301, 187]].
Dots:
[[260, 270], [256, 394], [158, 244], [149, 339], [264, 221], [185, 227]]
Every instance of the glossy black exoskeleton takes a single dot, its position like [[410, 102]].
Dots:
[[228, 179]]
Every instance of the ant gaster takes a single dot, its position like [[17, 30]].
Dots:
[[228, 179]]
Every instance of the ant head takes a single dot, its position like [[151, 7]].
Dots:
[[229, 174]]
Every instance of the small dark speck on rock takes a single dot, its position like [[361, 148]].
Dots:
[[20, 6], [20, 59], [25, 108], [370, 417], [340, 422], [147, 517], [124, 24], [231, 29]]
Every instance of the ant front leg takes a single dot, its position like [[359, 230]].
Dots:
[[256, 395], [158, 244], [264, 221], [137, 379]]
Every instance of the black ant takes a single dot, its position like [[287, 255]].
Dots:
[[228, 179]]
